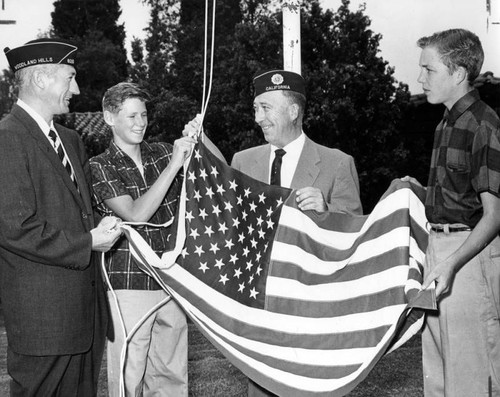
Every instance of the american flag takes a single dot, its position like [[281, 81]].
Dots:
[[303, 303]]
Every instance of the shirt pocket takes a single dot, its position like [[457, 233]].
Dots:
[[458, 161]]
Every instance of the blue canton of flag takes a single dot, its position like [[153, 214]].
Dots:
[[230, 228]]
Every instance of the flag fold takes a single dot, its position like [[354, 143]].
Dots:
[[303, 303]]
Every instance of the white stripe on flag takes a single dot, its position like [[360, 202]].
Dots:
[[398, 200], [289, 253], [282, 322], [337, 291], [296, 381]]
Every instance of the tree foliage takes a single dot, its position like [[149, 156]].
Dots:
[[8, 91], [102, 59], [354, 102]]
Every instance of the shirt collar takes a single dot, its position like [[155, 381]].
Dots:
[[294, 148], [115, 150], [461, 106], [35, 116]]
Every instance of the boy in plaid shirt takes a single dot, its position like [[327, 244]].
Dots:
[[137, 181], [461, 342]]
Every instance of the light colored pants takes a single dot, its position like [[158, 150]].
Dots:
[[156, 361], [461, 342]]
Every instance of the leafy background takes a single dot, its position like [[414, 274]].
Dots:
[[354, 102]]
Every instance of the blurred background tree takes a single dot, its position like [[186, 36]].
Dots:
[[354, 102], [102, 59], [8, 91]]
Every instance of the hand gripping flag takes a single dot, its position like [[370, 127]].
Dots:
[[303, 303]]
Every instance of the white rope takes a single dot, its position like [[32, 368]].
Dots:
[[204, 106], [115, 300], [205, 99], [205, 59], [167, 223], [127, 337]]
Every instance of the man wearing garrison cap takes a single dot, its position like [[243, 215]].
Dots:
[[325, 179], [50, 282]]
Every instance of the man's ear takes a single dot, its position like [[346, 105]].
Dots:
[[39, 78], [108, 118], [293, 111]]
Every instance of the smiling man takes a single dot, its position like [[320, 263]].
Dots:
[[325, 179], [138, 182], [461, 342], [50, 284]]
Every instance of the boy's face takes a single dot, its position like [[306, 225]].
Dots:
[[129, 124], [439, 85]]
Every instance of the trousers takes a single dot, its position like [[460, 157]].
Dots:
[[461, 342], [156, 356]]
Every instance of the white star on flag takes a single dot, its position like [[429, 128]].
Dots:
[[303, 303]]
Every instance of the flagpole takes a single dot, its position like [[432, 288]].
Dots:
[[291, 35]]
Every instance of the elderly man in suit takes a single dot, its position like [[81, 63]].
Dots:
[[50, 283], [325, 179]]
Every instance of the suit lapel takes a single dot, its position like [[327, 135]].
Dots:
[[262, 164], [79, 175], [48, 150], [308, 169]]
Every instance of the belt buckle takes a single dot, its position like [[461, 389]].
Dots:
[[446, 229]]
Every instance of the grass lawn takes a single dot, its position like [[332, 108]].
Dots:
[[210, 374]]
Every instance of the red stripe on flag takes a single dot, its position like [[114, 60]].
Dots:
[[304, 304]]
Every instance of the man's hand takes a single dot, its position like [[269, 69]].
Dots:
[[191, 128], [182, 150], [443, 274], [106, 233], [411, 180], [311, 198]]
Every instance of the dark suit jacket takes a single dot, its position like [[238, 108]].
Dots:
[[330, 170], [50, 283]]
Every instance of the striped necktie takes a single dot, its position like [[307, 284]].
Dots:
[[62, 155]]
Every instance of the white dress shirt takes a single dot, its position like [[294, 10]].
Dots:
[[43, 125], [290, 159]]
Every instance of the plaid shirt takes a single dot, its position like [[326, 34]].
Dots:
[[115, 174], [465, 162]]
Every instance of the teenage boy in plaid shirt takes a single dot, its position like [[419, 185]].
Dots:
[[461, 341], [137, 181]]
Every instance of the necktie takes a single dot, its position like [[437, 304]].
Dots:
[[62, 156], [276, 167]]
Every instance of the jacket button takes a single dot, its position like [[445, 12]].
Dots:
[[84, 215], [93, 283]]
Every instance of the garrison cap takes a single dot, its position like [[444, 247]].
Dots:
[[41, 51], [274, 80]]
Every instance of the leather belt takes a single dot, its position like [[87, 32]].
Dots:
[[451, 229]]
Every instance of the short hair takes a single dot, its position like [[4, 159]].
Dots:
[[23, 77], [457, 48], [297, 98], [114, 97]]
